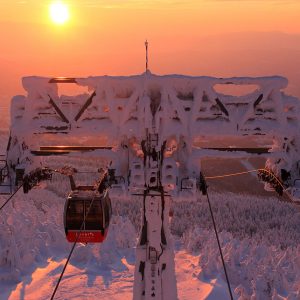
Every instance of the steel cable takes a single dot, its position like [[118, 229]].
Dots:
[[4, 204], [213, 219], [252, 171], [219, 246], [73, 247]]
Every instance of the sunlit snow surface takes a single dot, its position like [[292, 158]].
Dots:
[[261, 249], [260, 239], [94, 283]]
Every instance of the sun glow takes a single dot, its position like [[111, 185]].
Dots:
[[59, 12]]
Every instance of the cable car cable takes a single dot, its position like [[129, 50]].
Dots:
[[4, 204], [232, 174], [219, 246], [65, 266], [22, 185], [212, 215], [71, 252], [252, 171], [210, 208]]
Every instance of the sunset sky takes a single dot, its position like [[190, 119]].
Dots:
[[194, 37]]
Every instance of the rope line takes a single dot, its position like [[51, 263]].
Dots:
[[16, 191], [4, 204], [233, 174], [71, 252], [219, 246], [252, 171], [65, 266], [211, 213], [213, 219], [77, 237]]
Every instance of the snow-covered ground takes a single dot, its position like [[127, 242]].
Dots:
[[260, 237], [33, 251]]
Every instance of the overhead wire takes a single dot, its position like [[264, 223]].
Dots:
[[212, 215], [15, 192], [252, 171], [211, 212], [72, 249], [74, 244], [213, 220], [232, 174], [219, 245]]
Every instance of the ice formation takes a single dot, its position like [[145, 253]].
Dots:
[[146, 127]]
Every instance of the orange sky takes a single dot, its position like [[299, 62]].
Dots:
[[196, 37]]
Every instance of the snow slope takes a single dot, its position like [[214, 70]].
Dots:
[[115, 283], [260, 264], [260, 239]]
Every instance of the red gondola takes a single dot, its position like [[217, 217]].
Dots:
[[95, 207]]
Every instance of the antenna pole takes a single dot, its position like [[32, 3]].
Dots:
[[146, 45]]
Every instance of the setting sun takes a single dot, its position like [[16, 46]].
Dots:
[[59, 12], [150, 149]]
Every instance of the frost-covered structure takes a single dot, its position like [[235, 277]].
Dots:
[[149, 127]]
